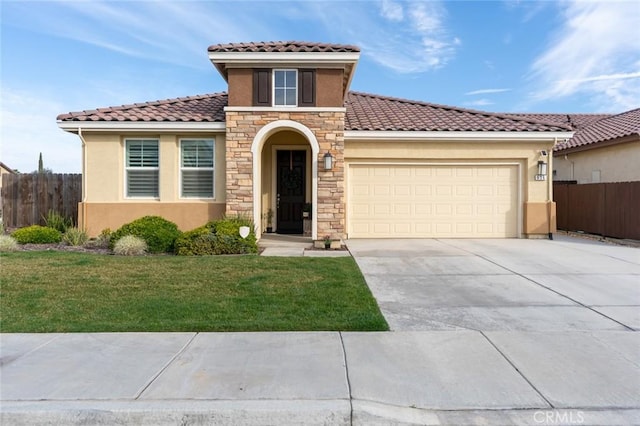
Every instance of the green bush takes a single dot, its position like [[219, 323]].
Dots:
[[130, 245], [218, 237], [56, 221], [196, 242], [37, 234], [8, 243], [159, 233], [75, 237]]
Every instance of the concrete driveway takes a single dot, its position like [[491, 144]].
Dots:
[[567, 284]]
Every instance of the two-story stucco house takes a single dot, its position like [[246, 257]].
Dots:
[[289, 133]]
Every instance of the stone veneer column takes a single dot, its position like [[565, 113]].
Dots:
[[328, 128]]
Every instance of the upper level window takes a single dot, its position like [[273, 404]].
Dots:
[[197, 167], [142, 167], [285, 88]]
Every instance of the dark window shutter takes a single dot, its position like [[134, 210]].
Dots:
[[262, 87], [306, 87]]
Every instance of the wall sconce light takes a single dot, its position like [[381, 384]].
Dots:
[[328, 161], [542, 170]]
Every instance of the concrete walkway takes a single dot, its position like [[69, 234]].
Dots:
[[331, 378], [542, 333], [293, 246]]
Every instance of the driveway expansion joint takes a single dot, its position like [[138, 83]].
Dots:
[[517, 369], [346, 373], [164, 367]]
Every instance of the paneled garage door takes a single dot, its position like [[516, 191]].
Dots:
[[433, 201]]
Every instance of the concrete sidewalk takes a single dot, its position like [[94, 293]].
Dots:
[[277, 245], [333, 378]]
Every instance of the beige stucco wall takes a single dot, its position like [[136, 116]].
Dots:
[[615, 163], [538, 212], [105, 204]]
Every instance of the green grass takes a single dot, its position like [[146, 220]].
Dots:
[[78, 292]]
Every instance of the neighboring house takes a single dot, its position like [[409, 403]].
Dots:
[[607, 150], [290, 132], [4, 170]]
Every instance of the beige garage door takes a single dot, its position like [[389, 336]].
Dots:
[[433, 201]]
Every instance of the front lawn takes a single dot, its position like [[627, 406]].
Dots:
[[78, 292]]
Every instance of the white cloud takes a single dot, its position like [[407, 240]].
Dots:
[[392, 11], [618, 76], [486, 91], [407, 37], [29, 127], [479, 102], [168, 32], [593, 53]]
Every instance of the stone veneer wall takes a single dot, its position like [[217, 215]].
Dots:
[[328, 128]]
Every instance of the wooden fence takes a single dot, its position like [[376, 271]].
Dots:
[[607, 209], [27, 198]]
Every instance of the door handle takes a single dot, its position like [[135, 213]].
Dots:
[[277, 201]]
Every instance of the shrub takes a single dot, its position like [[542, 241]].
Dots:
[[228, 239], [197, 242], [56, 221], [130, 245], [8, 243], [218, 237], [75, 237], [103, 239], [159, 233], [37, 234]]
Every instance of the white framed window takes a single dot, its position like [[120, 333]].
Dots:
[[141, 168], [197, 159], [285, 88]]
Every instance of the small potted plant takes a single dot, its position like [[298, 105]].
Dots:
[[269, 217], [327, 242]]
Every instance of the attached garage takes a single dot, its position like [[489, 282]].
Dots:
[[466, 200]]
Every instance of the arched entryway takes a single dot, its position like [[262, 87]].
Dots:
[[285, 176]]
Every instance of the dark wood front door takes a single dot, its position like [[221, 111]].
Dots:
[[291, 166]]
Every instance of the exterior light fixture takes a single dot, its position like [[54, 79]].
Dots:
[[328, 161], [542, 171]]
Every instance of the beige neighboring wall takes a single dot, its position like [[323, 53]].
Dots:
[[105, 204], [614, 163], [537, 211]]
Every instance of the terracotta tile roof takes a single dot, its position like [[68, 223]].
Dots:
[[373, 112], [202, 108], [604, 130], [364, 112], [282, 46], [576, 121]]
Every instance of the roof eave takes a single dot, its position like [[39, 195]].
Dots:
[[600, 144], [464, 136], [224, 60], [141, 126]]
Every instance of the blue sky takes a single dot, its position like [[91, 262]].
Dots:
[[501, 56]]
